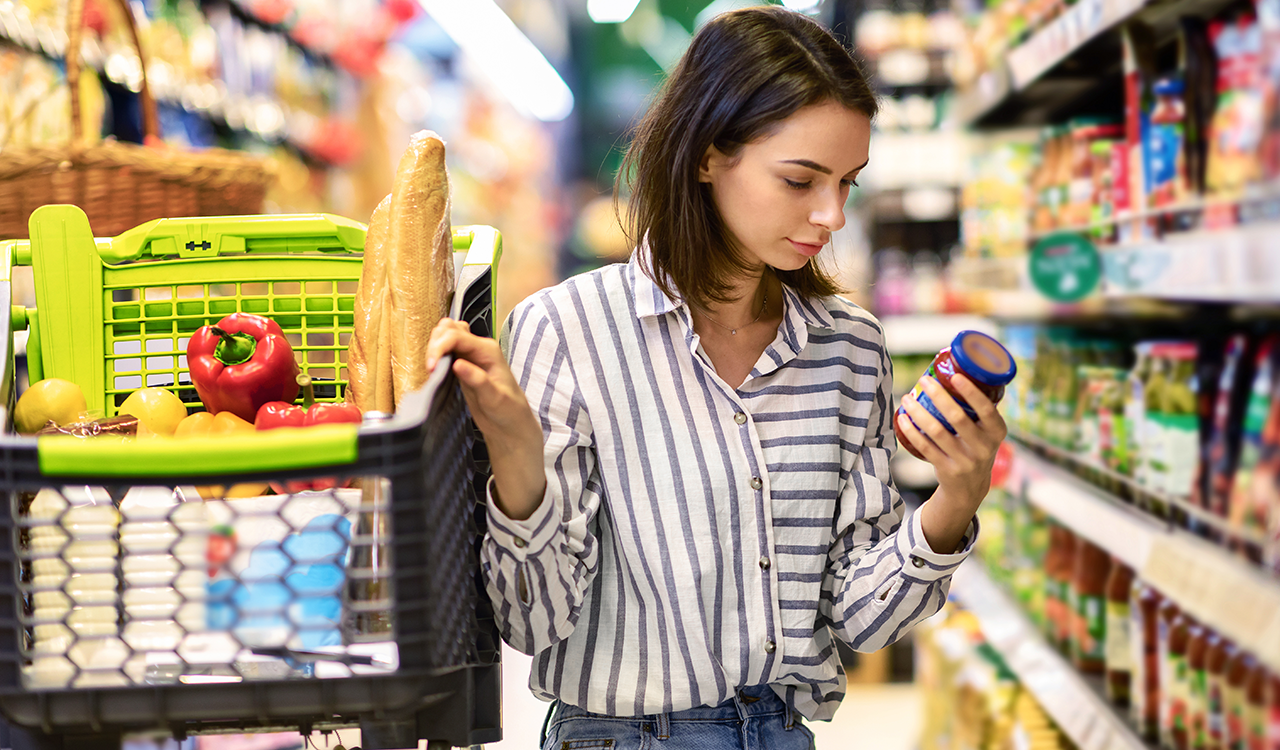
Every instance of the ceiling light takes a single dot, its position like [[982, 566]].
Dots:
[[802, 5], [505, 55], [611, 11]]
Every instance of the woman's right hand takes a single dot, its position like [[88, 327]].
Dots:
[[501, 411]]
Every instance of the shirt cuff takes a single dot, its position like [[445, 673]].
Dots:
[[920, 562], [521, 538]]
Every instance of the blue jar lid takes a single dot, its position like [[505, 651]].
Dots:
[[983, 358]]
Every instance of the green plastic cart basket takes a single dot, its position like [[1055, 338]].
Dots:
[[114, 315]]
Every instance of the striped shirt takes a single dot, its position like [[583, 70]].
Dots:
[[695, 538]]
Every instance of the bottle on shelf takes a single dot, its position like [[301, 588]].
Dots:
[[1119, 634], [1256, 708], [1239, 666], [1174, 684], [1144, 695], [1219, 653], [1199, 643], [1089, 588]]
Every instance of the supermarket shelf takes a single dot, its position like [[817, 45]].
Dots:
[[1225, 592], [1237, 265], [1072, 700], [926, 334], [1071, 66], [264, 117]]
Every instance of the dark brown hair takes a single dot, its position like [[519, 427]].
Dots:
[[744, 72]]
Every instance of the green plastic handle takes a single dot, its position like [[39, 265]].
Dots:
[[199, 457], [236, 235]]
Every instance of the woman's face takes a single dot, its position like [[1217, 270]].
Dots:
[[782, 196]]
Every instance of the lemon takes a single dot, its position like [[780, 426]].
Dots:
[[51, 399], [156, 408]]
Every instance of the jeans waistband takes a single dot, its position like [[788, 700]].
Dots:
[[749, 701]]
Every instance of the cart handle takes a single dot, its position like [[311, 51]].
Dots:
[[285, 449]]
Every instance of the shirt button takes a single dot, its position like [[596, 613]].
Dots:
[[916, 561], [520, 542], [756, 483], [740, 418], [764, 563], [770, 647]]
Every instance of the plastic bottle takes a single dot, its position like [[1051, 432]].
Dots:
[[1135, 412], [1053, 590], [986, 363], [1120, 633], [1173, 669], [1089, 585], [1144, 696]]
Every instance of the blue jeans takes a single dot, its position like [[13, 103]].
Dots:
[[756, 719]]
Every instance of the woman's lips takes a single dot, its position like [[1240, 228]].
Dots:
[[805, 248]]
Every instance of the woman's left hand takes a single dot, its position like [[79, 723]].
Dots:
[[962, 461]]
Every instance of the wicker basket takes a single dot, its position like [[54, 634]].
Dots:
[[121, 185]]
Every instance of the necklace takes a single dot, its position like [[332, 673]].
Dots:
[[764, 305]]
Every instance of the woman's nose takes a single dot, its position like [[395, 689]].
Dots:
[[829, 214]]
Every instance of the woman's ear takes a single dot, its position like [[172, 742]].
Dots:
[[712, 160]]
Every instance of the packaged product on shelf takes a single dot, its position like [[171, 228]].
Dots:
[[1179, 682], [1144, 693], [1078, 211], [1058, 564], [1102, 200], [1234, 697], [1138, 60], [1198, 645], [1273, 712], [1119, 634], [1241, 510], [1088, 609], [1236, 131], [1168, 616], [1166, 140], [1256, 707], [1198, 63], [1220, 650], [1179, 424], [1135, 413], [1225, 416], [1269, 24]]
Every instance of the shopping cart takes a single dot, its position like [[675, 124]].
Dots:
[[128, 604]]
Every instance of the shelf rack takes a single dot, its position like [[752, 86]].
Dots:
[[1074, 701], [1225, 592]]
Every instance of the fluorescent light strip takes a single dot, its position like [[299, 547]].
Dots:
[[611, 11], [505, 55]]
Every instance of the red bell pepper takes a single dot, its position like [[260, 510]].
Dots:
[[241, 364], [278, 414]]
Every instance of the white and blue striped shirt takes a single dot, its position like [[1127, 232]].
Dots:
[[696, 538]]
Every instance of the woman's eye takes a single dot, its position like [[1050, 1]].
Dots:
[[796, 185], [849, 183]]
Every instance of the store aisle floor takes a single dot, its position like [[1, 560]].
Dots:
[[872, 717]]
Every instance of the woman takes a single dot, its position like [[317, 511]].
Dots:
[[691, 494]]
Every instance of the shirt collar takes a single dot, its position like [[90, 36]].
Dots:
[[651, 301]]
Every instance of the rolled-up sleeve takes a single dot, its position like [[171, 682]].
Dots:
[[882, 576], [538, 569]]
